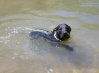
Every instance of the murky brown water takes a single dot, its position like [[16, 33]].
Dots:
[[19, 55]]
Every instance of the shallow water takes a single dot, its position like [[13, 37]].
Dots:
[[19, 54]]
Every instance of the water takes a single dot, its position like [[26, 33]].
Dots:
[[18, 54]]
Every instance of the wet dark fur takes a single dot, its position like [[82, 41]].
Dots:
[[60, 33]]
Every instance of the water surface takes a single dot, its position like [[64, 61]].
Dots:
[[18, 54]]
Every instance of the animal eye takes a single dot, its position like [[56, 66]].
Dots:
[[59, 31]]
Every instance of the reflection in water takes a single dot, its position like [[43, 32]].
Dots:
[[19, 54], [90, 5]]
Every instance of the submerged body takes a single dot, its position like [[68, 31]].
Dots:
[[60, 33], [53, 36], [42, 33]]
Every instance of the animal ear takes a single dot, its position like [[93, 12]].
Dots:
[[55, 29], [69, 28]]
